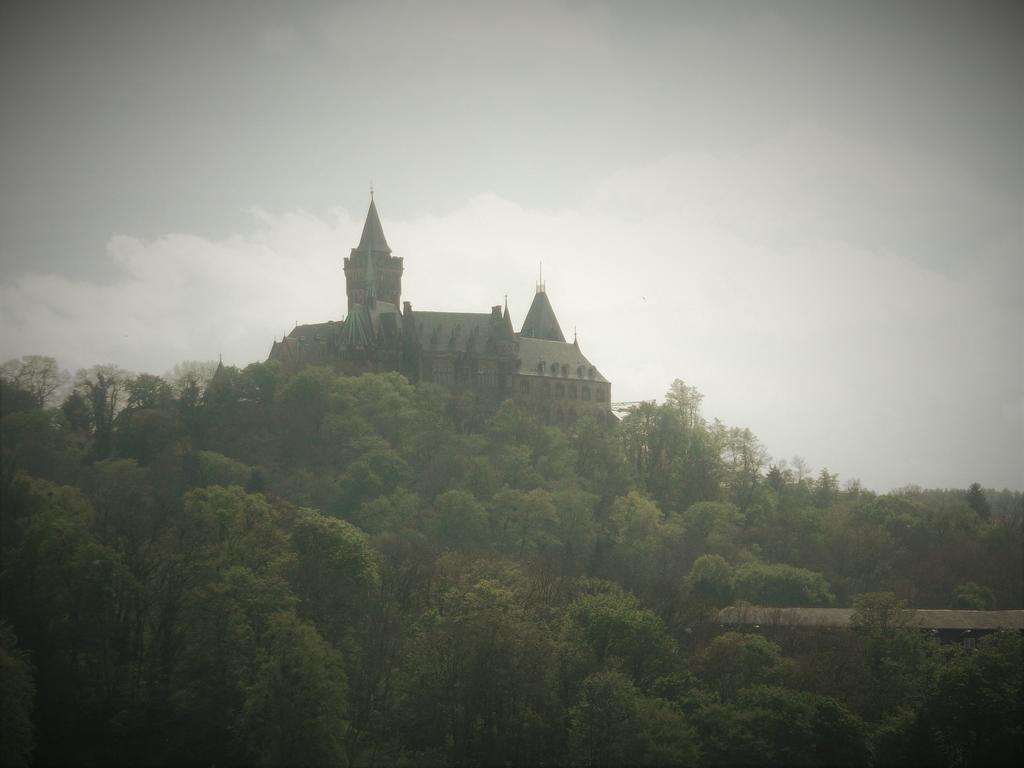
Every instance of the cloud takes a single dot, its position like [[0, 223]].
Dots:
[[827, 336], [182, 296]]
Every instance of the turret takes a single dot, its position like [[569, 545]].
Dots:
[[541, 322], [372, 260]]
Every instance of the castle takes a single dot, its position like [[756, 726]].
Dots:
[[478, 351]]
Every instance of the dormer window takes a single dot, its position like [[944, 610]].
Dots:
[[579, 372], [590, 373]]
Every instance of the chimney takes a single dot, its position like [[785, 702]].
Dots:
[[406, 307], [496, 312]]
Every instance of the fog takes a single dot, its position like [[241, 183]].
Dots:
[[813, 214]]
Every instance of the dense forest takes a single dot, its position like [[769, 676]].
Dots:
[[261, 568]]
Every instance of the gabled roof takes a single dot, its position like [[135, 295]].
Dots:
[[373, 233], [457, 331], [533, 352], [541, 322]]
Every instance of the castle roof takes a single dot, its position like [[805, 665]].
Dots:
[[373, 233], [541, 322], [303, 340], [367, 326], [560, 354], [458, 331]]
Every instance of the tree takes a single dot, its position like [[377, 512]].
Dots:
[[890, 658], [66, 596], [711, 578], [734, 661], [37, 375], [333, 574], [460, 520], [295, 711], [614, 627], [665, 735], [102, 390], [603, 721], [775, 726], [974, 704], [978, 502], [973, 597], [17, 696], [781, 585]]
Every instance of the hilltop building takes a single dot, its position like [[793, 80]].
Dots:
[[480, 351]]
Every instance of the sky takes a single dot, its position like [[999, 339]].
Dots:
[[812, 212]]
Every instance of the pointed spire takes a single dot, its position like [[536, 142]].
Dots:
[[373, 232], [540, 322]]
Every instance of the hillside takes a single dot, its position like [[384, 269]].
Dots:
[[315, 569]]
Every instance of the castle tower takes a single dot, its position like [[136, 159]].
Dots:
[[386, 271], [541, 322]]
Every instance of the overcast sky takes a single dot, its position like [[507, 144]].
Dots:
[[813, 212]]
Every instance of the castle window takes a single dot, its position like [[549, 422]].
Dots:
[[586, 392], [559, 390], [443, 374], [572, 391], [540, 367], [524, 387], [545, 389], [600, 394]]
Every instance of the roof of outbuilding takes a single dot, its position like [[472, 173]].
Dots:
[[532, 352], [841, 617], [540, 322]]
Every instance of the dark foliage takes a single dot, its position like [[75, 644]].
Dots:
[[313, 569]]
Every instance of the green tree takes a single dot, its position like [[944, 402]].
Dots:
[[17, 696], [974, 705], [333, 574], [776, 726], [102, 389], [977, 501], [614, 627], [603, 721], [711, 578], [778, 584], [735, 661], [973, 597], [295, 710], [460, 520]]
